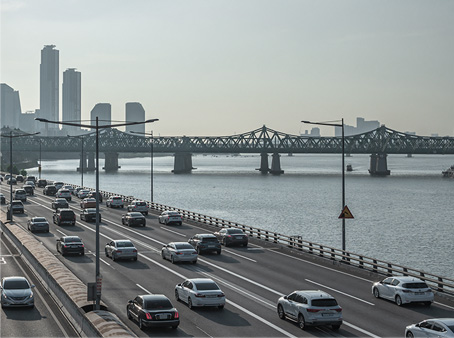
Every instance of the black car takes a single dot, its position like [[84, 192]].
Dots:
[[19, 178], [2, 199], [60, 203], [89, 215], [133, 218], [50, 190], [64, 216], [153, 311], [41, 183], [29, 190], [205, 243], [38, 224], [70, 244], [232, 236]]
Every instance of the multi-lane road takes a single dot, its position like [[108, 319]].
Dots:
[[252, 279]]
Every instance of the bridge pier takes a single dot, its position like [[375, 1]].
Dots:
[[111, 162], [264, 169], [276, 165], [379, 165], [182, 163], [82, 163], [91, 162]]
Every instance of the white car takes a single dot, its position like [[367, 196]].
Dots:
[[115, 202], [436, 327], [16, 291], [69, 187], [403, 290], [168, 217], [63, 193], [83, 193], [310, 308], [121, 249], [179, 252], [200, 292], [138, 206]]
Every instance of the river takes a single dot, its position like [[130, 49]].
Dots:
[[405, 218]]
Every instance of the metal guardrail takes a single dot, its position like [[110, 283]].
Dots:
[[437, 283]]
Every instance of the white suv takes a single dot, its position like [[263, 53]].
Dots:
[[115, 202], [310, 307], [63, 193], [139, 206]]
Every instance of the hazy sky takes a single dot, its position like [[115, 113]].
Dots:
[[219, 67]]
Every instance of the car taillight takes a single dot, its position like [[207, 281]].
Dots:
[[176, 315], [65, 246], [221, 295], [134, 250], [313, 310], [82, 245], [339, 310], [178, 253], [194, 252], [406, 291], [199, 295], [148, 316], [119, 251]]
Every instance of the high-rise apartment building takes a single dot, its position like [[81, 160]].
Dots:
[[103, 112], [135, 113], [71, 100], [10, 107], [49, 87]]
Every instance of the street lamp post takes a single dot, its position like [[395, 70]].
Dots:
[[343, 169], [151, 160], [11, 136], [96, 127], [82, 159], [39, 168]]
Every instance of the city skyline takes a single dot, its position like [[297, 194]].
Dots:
[[223, 68]]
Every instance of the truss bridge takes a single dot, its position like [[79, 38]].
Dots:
[[264, 141]]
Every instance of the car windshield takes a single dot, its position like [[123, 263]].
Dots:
[[73, 239], [206, 286], [136, 214], [116, 198], [16, 284], [324, 302], [158, 304], [174, 214], [125, 245], [181, 246], [235, 231], [209, 239], [416, 285], [39, 219], [67, 213], [140, 204]]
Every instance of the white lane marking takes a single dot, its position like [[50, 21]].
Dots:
[[244, 257], [105, 262], [277, 328], [360, 329], [343, 293], [174, 232], [204, 332], [140, 286], [321, 266], [61, 232], [449, 307]]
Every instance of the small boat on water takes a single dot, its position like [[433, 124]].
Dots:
[[349, 167], [448, 172]]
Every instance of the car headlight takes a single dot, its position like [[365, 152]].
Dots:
[[31, 295]]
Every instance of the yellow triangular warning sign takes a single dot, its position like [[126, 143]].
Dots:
[[346, 213]]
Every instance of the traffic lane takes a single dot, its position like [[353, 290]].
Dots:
[[45, 319]]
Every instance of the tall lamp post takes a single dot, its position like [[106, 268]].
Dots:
[[151, 160], [343, 169], [82, 160], [96, 127], [11, 136]]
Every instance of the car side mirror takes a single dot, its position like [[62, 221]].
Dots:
[[179, 284], [32, 286], [285, 297], [130, 301]]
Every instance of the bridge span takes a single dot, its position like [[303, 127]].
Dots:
[[379, 143]]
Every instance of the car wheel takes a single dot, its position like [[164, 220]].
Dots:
[[82, 253], [219, 252], [190, 303], [427, 304], [199, 251], [301, 322], [245, 245], [172, 260], [409, 334], [146, 213], [107, 254], [141, 326], [134, 259], [220, 307], [162, 255], [335, 327], [376, 293], [114, 257], [128, 313], [224, 242], [280, 312], [174, 327], [177, 296], [398, 300], [193, 262]]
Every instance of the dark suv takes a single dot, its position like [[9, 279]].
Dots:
[[50, 190], [64, 216], [41, 183], [205, 242]]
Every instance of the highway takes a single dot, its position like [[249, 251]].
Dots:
[[252, 279]]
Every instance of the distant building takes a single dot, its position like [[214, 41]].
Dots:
[[49, 89], [315, 132], [10, 107], [104, 113], [71, 101], [27, 122], [135, 113], [362, 126]]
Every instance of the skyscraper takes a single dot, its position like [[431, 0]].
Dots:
[[71, 101], [135, 112], [103, 112], [10, 107], [49, 84]]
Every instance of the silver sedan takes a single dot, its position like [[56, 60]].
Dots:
[[179, 252], [200, 292], [121, 249]]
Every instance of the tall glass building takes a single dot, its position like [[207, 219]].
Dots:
[[104, 113], [49, 88], [71, 100], [135, 113]]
